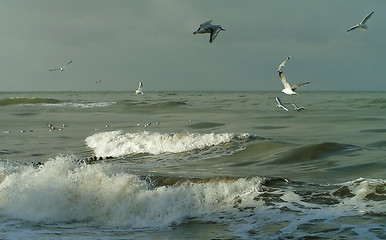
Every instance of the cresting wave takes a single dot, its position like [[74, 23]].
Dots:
[[102, 194], [65, 191], [118, 143]]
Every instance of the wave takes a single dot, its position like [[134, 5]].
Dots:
[[65, 191], [118, 143], [18, 101], [202, 125], [314, 152], [52, 103], [79, 105]]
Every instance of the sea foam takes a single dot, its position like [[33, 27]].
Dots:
[[64, 191], [118, 143]]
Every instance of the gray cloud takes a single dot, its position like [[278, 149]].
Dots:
[[123, 42]]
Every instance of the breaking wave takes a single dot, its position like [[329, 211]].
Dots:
[[118, 143], [63, 190]]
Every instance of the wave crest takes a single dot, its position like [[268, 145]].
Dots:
[[118, 144]]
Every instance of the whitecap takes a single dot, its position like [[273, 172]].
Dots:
[[118, 143]]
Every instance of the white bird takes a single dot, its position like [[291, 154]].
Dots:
[[362, 25], [207, 27], [139, 90], [297, 108], [61, 68], [280, 105], [283, 63], [287, 88]]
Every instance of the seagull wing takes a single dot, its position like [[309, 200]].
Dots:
[[55, 69], [353, 27], [66, 64], [283, 63], [278, 101], [366, 18], [140, 86], [284, 80], [69, 62], [206, 24], [280, 105], [214, 33], [296, 86]]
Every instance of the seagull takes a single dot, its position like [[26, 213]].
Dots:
[[139, 90], [280, 105], [287, 88], [98, 81], [297, 108], [362, 25], [61, 68], [207, 27], [283, 63]]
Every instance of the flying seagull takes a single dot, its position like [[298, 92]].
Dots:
[[297, 108], [61, 68], [283, 63], [362, 25], [98, 81], [287, 88], [139, 90], [207, 27], [280, 105]]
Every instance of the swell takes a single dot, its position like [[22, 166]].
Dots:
[[314, 152]]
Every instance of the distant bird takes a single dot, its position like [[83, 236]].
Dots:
[[61, 68], [207, 27], [287, 88], [98, 81], [297, 108], [362, 25], [139, 90], [283, 63], [280, 105]]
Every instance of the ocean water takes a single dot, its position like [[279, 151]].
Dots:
[[192, 165]]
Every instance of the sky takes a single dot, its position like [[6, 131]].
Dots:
[[123, 42]]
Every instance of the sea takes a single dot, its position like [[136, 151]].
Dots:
[[192, 165]]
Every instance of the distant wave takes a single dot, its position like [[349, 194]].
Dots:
[[118, 144], [151, 105], [49, 102], [17, 101], [79, 105]]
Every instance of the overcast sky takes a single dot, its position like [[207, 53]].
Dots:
[[124, 42]]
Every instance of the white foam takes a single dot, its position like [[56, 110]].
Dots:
[[74, 105], [64, 191], [362, 188], [117, 143]]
